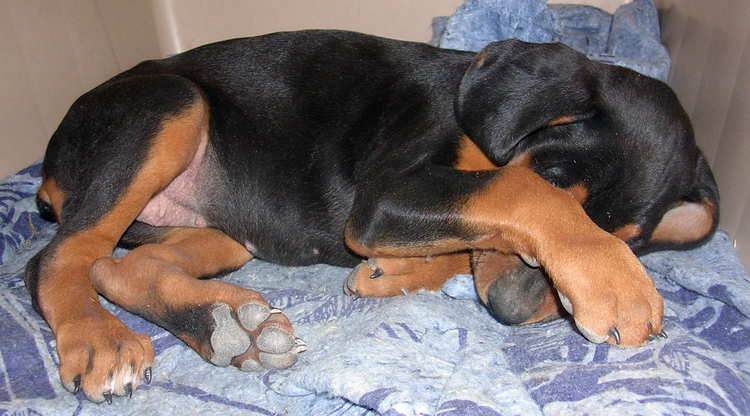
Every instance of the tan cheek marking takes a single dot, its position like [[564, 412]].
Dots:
[[50, 193], [688, 221], [627, 232], [470, 157], [579, 192], [480, 58], [561, 120]]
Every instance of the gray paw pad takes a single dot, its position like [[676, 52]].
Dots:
[[251, 315], [284, 360], [274, 340], [228, 338], [251, 366]]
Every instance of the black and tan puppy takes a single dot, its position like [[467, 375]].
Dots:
[[334, 147]]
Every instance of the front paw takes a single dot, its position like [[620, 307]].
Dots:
[[610, 296], [100, 356]]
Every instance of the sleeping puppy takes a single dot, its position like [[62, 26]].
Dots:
[[538, 169]]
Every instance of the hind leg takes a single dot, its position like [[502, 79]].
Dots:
[[117, 147], [224, 323]]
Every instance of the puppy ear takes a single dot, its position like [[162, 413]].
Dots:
[[693, 219], [514, 88]]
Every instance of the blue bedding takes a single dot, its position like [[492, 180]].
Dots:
[[427, 353]]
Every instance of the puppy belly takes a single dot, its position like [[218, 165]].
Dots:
[[176, 205], [163, 211]]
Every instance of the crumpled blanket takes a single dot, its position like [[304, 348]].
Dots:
[[427, 353], [630, 37]]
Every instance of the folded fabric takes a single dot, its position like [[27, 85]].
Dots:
[[428, 353], [630, 37]]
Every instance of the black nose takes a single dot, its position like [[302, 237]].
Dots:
[[45, 210], [516, 296]]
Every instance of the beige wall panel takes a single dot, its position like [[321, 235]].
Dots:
[[51, 51], [198, 21], [130, 28], [733, 154], [710, 46], [23, 133], [49, 61]]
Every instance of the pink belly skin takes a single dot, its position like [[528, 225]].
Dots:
[[176, 205]]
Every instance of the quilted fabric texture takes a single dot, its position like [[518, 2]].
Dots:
[[422, 354]]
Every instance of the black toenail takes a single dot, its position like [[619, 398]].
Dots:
[[129, 390], [77, 384], [615, 334], [663, 334], [108, 397], [147, 375], [376, 273]]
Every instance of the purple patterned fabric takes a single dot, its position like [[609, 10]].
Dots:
[[422, 354]]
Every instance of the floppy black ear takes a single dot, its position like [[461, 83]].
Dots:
[[514, 88]]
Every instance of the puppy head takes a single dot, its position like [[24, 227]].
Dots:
[[622, 135]]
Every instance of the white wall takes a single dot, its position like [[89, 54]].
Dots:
[[51, 51], [710, 46], [195, 22]]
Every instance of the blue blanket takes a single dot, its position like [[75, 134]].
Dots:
[[428, 353], [629, 37]]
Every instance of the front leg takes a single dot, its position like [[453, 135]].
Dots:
[[513, 210]]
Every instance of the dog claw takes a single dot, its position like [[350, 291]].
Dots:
[[530, 261], [129, 390], [77, 384], [274, 310], [376, 273], [147, 375], [108, 397], [614, 333], [663, 334]]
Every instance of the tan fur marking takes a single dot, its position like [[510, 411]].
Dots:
[[561, 120], [480, 58], [68, 271], [50, 193], [183, 252], [686, 222], [509, 212], [470, 157], [410, 273], [579, 192], [626, 232], [523, 159]]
